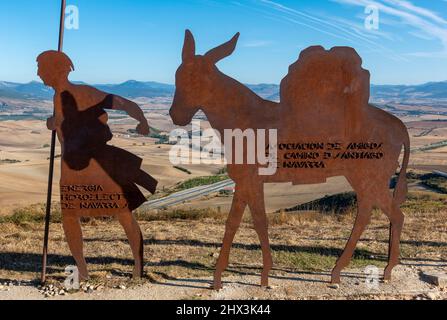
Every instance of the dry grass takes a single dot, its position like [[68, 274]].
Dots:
[[32, 214], [185, 244]]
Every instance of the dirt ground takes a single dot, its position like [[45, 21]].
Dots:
[[180, 258], [406, 285]]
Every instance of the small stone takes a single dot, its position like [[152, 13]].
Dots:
[[272, 287], [62, 293], [431, 296], [122, 287], [334, 286], [437, 279]]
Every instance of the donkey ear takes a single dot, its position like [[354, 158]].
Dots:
[[189, 47], [223, 51]]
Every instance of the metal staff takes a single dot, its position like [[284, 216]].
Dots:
[[52, 156]]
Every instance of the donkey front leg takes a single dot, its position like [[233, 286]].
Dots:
[[257, 208], [233, 223]]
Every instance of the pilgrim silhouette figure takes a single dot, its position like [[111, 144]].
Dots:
[[97, 179]]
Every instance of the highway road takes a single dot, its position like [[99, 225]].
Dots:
[[187, 195]]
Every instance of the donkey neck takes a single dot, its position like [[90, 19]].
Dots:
[[232, 105]]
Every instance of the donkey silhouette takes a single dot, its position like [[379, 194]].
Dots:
[[324, 101]]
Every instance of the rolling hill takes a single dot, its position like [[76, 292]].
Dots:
[[137, 89]]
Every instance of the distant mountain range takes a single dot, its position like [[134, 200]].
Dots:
[[32, 90], [136, 89], [131, 89], [427, 91]]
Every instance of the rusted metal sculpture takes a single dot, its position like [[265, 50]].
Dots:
[[325, 126], [97, 179]]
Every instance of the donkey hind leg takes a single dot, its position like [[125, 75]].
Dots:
[[363, 218], [73, 233], [233, 223], [257, 208], [391, 209], [133, 232]]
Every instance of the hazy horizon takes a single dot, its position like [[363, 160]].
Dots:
[[173, 84]]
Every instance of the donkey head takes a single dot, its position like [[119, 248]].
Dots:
[[196, 79]]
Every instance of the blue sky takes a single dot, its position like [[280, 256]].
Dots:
[[120, 40]]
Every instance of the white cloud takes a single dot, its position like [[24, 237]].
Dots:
[[352, 32], [423, 21]]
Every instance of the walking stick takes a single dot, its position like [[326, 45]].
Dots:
[[52, 156]]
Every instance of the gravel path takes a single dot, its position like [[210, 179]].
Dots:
[[296, 286]]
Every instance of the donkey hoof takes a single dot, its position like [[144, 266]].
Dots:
[[217, 285], [137, 275], [336, 278], [265, 281], [265, 284], [138, 271], [388, 274], [84, 276]]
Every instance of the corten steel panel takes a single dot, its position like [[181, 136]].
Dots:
[[97, 179], [326, 128]]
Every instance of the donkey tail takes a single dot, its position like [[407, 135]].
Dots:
[[401, 190]]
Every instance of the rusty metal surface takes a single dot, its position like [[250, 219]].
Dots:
[[325, 126], [97, 179]]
